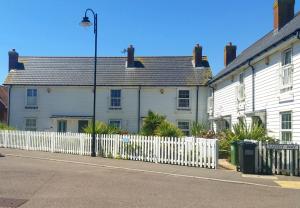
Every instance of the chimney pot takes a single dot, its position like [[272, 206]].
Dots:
[[197, 55], [130, 57], [229, 53], [284, 12]]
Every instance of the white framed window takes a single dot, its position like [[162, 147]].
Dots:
[[31, 97], [115, 98], [30, 124], [184, 126], [286, 71], [183, 100], [240, 92], [286, 131], [61, 126], [117, 123]]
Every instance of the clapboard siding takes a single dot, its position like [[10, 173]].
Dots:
[[267, 92], [77, 101]]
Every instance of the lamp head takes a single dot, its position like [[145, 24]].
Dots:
[[85, 22]]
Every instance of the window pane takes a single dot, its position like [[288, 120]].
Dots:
[[62, 126], [115, 93], [31, 97], [183, 103], [115, 102], [286, 136], [287, 57], [184, 93], [115, 123], [82, 124], [30, 124]]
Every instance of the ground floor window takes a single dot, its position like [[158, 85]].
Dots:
[[117, 123], [30, 124], [286, 132], [62, 126], [184, 126], [82, 124], [223, 124]]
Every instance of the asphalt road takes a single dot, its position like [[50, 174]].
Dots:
[[54, 180]]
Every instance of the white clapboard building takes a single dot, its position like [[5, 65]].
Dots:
[[262, 83], [56, 93]]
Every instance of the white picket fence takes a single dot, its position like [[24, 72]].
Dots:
[[195, 152]]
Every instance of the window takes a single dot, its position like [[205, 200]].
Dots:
[[82, 124], [115, 123], [286, 72], [241, 78], [183, 99], [286, 126], [31, 99], [184, 126], [223, 124], [115, 99], [62, 126], [30, 124]]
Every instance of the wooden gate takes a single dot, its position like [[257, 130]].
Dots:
[[279, 159]]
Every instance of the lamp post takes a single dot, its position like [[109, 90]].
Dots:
[[86, 23]]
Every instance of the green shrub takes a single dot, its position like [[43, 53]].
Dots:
[[4, 126], [101, 128], [151, 123], [167, 129], [202, 130]]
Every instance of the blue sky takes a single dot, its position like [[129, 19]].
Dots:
[[154, 27]]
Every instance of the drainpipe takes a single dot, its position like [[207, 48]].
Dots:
[[253, 85], [8, 108], [298, 35], [139, 109], [197, 105], [213, 107]]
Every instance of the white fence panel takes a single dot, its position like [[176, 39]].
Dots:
[[195, 152]]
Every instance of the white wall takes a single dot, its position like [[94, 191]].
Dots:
[[77, 101], [267, 92]]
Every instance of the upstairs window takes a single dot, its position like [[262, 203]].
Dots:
[[286, 126], [183, 100], [286, 72], [31, 98], [30, 124], [115, 99]]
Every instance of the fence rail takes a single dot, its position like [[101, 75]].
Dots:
[[196, 152], [281, 161]]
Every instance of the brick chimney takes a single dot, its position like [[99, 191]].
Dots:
[[229, 53], [130, 57], [13, 59], [284, 11], [197, 56]]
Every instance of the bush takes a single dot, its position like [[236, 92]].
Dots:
[[4, 126], [167, 129], [101, 128], [151, 123], [202, 130]]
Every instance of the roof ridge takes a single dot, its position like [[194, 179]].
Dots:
[[180, 56]]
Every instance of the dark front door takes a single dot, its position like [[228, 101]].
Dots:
[[81, 125]]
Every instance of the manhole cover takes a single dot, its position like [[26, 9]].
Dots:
[[11, 203]]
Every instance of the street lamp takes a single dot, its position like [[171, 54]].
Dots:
[[86, 23]]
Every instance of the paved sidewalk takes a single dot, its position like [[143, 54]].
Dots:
[[58, 180]]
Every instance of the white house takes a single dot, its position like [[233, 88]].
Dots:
[[263, 82], [55, 93]]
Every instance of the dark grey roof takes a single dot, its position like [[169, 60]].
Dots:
[[111, 71], [261, 46]]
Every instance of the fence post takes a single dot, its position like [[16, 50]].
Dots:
[[52, 141], [217, 154]]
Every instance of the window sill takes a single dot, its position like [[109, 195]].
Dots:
[[286, 97], [183, 109], [31, 107], [115, 108]]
